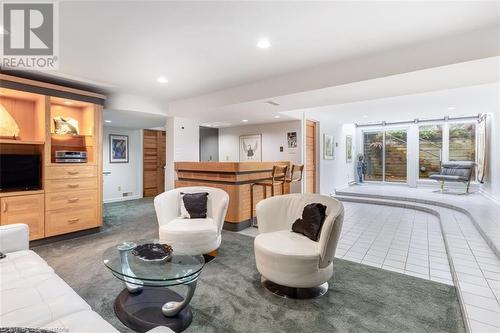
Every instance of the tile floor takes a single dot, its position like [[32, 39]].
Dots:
[[397, 239]]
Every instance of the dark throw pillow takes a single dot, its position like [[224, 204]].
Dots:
[[194, 205], [313, 217]]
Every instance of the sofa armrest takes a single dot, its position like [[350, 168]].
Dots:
[[14, 237]]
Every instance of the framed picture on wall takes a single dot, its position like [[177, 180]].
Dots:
[[291, 139], [118, 148], [251, 148], [328, 146], [348, 148]]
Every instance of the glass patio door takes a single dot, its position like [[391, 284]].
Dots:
[[373, 144], [386, 155]]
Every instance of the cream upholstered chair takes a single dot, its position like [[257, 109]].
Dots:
[[291, 264], [191, 236]]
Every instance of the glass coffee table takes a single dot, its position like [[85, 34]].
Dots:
[[146, 302]]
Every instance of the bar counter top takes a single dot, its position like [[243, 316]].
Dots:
[[234, 167]]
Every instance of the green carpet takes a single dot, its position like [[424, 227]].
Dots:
[[229, 297]]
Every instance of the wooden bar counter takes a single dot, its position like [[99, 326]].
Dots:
[[235, 178]]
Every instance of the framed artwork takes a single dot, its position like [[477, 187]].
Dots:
[[118, 148], [348, 148], [328, 145], [251, 148], [291, 138]]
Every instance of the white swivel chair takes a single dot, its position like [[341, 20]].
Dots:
[[291, 264], [191, 236]]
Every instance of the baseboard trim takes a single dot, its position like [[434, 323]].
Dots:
[[490, 196], [133, 197], [58, 238], [237, 226]]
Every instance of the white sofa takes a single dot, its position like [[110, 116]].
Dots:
[[32, 295], [290, 259], [191, 236]]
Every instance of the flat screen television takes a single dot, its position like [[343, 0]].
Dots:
[[20, 172]]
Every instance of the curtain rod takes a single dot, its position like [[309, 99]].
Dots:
[[480, 117]]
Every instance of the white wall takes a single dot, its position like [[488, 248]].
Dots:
[[335, 173], [127, 176], [183, 144], [273, 137]]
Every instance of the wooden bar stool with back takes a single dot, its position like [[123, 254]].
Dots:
[[278, 177]]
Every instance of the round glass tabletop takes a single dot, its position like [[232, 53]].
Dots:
[[178, 269]]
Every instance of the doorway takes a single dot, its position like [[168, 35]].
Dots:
[[386, 155], [311, 152], [154, 158]]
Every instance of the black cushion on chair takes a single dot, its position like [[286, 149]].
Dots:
[[195, 204], [313, 217]]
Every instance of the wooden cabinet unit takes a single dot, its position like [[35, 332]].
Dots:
[[70, 198], [28, 209]]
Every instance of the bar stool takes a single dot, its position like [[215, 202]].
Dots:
[[278, 177], [296, 168]]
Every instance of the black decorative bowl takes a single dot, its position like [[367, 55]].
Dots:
[[153, 252]]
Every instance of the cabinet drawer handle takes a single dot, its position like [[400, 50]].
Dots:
[[73, 220], [72, 185], [4, 207], [73, 172], [72, 200]]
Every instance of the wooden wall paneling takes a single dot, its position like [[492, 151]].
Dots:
[[161, 161], [98, 129], [311, 152], [150, 156], [154, 157]]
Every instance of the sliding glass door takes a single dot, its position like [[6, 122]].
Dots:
[[395, 156], [373, 143], [385, 155]]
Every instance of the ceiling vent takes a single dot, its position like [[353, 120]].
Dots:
[[273, 103]]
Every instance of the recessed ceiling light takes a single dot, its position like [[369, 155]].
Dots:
[[452, 107], [107, 121], [263, 43], [277, 117], [162, 79], [245, 120], [68, 103]]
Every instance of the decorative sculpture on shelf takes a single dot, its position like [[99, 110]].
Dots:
[[361, 168], [8, 126], [66, 125]]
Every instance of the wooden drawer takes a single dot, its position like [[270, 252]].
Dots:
[[70, 171], [70, 199], [26, 209], [57, 185], [62, 221]]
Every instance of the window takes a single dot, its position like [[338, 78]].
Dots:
[[430, 141], [462, 142]]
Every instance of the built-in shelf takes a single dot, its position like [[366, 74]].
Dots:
[[21, 142], [17, 193], [70, 135]]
